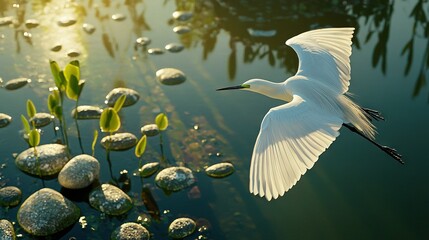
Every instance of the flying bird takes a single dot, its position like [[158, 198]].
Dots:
[[292, 136]]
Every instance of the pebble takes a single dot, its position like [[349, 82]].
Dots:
[[6, 230], [143, 41], [5, 120], [10, 196], [4, 21], [119, 141], [181, 29], [16, 83], [50, 157], [181, 227], [132, 96], [87, 112], [220, 170], [80, 172], [174, 47], [56, 48], [41, 119], [150, 130], [155, 51], [174, 178], [31, 23], [73, 53], [118, 17], [170, 76], [88, 28], [110, 200], [182, 15], [66, 21], [148, 169], [47, 212], [130, 230]]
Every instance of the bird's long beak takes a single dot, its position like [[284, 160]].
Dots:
[[231, 88]]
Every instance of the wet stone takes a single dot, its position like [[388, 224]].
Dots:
[[128, 231], [174, 47], [66, 21], [110, 200], [41, 119], [118, 17], [5, 120], [4, 21], [88, 28], [155, 51], [220, 170], [47, 212], [181, 227], [73, 53], [6, 230], [50, 157], [143, 41], [132, 96], [16, 83], [148, 169], [170, 76], [181, 29], [150, 130], [79, 172], [175, 178], [31, 23], [182, 15], [87, 112], [119, 141], [10, 196], [56, 48]]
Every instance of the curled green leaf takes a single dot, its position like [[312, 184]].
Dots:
[[141, 146], [34, 138], [161, 121], [25, 124], [109, 120], [31, 109], [119, 103]]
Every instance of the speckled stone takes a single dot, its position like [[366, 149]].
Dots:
[[88, 28], [150, 130], [170, 76], [6, 230], [10, 196], [47, 212], [79, 172], [119, 141], [148, 169], [5, 120], [66, 21], [181, 228], [132, 96], [110, 200], [174, 178], [51, 157], [220, 170], [87, 112], [181, 29], [32, 23], [16, 83], [182, 15], [41, 119], [130, 231]]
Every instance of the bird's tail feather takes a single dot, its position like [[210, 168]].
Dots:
[[356, 116]]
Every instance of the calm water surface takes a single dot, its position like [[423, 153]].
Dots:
[[354, 191]]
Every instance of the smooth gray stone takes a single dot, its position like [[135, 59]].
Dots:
[[80, 172], [41, 119], [170, 76], [132, 96], [220, 170], [110, 200], [16, 83], [5, 120], [87, 112], [119, 141], [150, 130]]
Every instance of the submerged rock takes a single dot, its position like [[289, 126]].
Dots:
[[155, 51], [47, 212], [119, 141], [4, 21], [10, 196], [143, 41], [181, 29], [118, 17], [79, 172], [181, 227], [73, 53], [5, 120], [31, 23], [87, 112], [110, 200], [220, 170], [16, 83], [56, 48], [51, 158], [132, 96], [6, 230], [182, 15], [88, 28], [150, 130], [66, 21], [130, 230], [174, 47], [148, 169], [41, 119], [175, 178], [170, 76]]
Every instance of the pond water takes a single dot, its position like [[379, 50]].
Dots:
[[354, 191]]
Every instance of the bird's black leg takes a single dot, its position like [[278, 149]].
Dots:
[[392, 152], [373, 114]]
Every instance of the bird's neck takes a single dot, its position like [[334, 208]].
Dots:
[[272, 90]]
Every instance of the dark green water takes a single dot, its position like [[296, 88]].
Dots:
[[353, 192]]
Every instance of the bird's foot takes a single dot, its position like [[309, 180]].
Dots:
[[373, 114], [393, 153]]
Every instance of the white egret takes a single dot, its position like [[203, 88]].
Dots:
[[293, 135]]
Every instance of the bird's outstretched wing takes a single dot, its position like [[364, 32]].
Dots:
[[324, 55], [291, 138]]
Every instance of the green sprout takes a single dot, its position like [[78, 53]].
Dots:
[[140, 149], [161, 121]]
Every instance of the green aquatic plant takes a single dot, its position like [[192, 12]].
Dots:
[[68, 83], [140, 149], [161, 122], [94, 141]]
